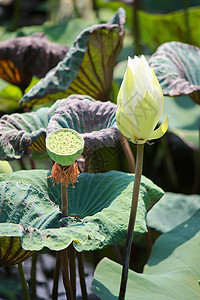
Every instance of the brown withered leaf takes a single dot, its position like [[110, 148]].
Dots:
[[24, 57]]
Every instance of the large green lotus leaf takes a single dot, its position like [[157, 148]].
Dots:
[[156, 29], [172, 272], [87, 68], [18, 131], [99, 208], [183, 119], [63, 33], [152, 6], [177, 66], [94, 120], [172, 210], [155, 6], [35, 57]]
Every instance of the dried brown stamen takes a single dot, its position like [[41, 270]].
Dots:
[[65, 174]]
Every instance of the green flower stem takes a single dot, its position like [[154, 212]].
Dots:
[[64, 252], [128, 153], [82, 275], [33, 276], [23, 282], [88, 157], [56, 277], [197, 168], [129, 237], [187, 23], [65, 274], [64, 200], [136, 28], [72, 268]]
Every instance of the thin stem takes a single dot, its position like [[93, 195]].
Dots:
[[65, 274], [187, 24], [33, 276], [22, 164], [95, 8], [72, 268], [76, 10], [128, 153], [88, 157], [64, 253], [82, 275], [16, 15], [64, 200], [32, 163], [129, 237], [197, 161], [169, 162], [136, 28], [23, 282], [56, 277]]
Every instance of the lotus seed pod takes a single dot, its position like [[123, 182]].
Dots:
[[64, 146]]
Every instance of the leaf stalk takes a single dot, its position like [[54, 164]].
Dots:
[[129, 237]]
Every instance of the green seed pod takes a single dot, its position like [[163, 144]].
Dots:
[[64, 146]]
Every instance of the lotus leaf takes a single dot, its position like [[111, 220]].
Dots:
[[87, 68], [172, 271], [94, 120], [98, 206], [172, 210], [24, 57], [177, 66]]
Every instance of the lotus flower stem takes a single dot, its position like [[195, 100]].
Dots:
[[33, 276], [187, 23], [169, 161], [64, 252], [129, 237], [23, 282], [197, 168], [72, 268], [56, 277], [136, 28], [128, 153], [65, 274], [82, 275], [64, 199]]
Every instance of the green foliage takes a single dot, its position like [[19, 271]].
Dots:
[[183, 119], [176, 66], [158, 28], [87, 68], [172, 210], [99, 208], [10, 96], [94, 120], [31, 218], [172, 271], [161, 28]]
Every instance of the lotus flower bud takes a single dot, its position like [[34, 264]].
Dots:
[[140, 103]]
